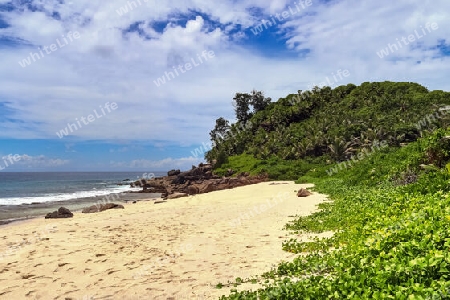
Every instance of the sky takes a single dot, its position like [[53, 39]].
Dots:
[[137, 85]]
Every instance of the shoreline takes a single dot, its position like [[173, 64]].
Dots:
[[181, 249], [22, 212]]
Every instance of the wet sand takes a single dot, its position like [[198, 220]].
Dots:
[[180, 249]]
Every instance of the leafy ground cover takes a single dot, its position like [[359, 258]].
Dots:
[[391, 218]]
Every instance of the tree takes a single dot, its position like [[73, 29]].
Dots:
[[220, 130], [241, 105], [258, 101], [339, 148], [243, 102]]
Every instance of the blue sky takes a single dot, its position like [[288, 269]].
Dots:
[[98, 55]]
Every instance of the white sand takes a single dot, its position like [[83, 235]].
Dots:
[[176, 250]]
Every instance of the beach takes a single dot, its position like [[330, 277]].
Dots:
[[179, 249], [26, 195]]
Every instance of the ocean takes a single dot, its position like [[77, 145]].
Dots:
[[27, 194]]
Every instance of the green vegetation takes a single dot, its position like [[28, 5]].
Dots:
[[390, 212], [329, 123], [274, 167], [391, 240]]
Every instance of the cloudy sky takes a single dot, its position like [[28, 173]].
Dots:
[[137, 85]]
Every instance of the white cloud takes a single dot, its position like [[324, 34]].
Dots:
[[106, 64], [25, 161], [155, 165]]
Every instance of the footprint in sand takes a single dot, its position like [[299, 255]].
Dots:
[[200, 244]]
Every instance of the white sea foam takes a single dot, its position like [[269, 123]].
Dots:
[[66, 196]]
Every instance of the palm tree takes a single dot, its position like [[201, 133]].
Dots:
[[339, 148]]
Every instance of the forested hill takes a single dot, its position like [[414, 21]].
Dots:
[[381, 152], [328, 124]]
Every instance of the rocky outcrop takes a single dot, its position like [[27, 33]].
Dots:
[[193, 190], [62, 212], [198, 180], [303, 193], [230, 172], [173, 172], [101, 207], [154, 187], [177, 195], [206, 187], [138, 183]]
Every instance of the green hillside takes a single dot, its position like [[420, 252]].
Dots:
[[389, 182], [330, 124]]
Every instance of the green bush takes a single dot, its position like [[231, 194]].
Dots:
[[391, 240], [222, 158]]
